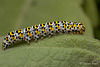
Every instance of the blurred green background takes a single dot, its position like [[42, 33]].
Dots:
[[97, 29], [58, 51]]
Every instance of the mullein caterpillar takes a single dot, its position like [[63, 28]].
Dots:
[[42, 30]]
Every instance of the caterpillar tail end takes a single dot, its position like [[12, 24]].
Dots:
[[28, 42], [3, 48]]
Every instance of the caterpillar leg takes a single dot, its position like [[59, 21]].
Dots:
[[77, 32], [28, 42], [63, 31], [36, 40], [74, 32], [81, 32], [4, 47], [49, 36], [69, 32], [42, 38], [57, 32]]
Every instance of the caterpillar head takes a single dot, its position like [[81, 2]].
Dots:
[[82, 28]]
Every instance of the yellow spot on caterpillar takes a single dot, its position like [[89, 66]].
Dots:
[[74, 26], [37, 32], [64, 26], [78, 25], [69, 26], [19, 31], [49, 23], [28, 34], [58, 26], [35, 26], [63, 21], [69, 22], [28, 29], [12, 38], [44, 30], [6, 38], [56, 22], [42, 25], [11, 33], [21, 35], [51, 29]]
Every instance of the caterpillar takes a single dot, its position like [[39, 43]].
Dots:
[[40, 31]]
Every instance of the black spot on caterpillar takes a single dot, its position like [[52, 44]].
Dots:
[[42, 30]]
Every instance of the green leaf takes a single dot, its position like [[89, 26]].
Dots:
[[58, 51]]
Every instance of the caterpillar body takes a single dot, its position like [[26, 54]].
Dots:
[[42, 30]]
